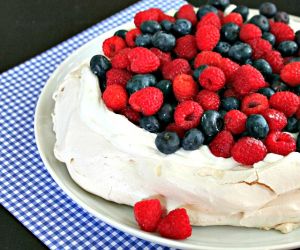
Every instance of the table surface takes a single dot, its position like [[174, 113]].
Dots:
[[29, 28]]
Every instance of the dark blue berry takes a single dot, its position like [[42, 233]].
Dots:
[[222, 113], [273, 78], [230, 32], [222, 48], [140, 81], [263, 66], [279, 86], [143, 40], [287, 48], [163, 41], [150, 27], [282, 16], [166, 87], [260, 21], [268, 92], [166, 25], [249, 61], [269, 37], [243, 10], [230, 103], [121, 33], [240, 52], [297, 38], [296, 90], [219, 4], [211, 122], [167, 142], [257, 126], [192, 139], [298, 143], [165, 114], [292, 125], [182, 27], [268, 9], [150, 123], [102, 84], [197, 72], [99, 65], [203, 10]]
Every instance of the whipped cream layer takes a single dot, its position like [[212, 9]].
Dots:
[[109, 156]]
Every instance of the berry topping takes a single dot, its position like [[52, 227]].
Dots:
[[230, 32], [120, 60], [172, 127], [163, 41], [222, 144], [282, 32], [275, 119], [167, 142], [207, 37], [117, 76], [280, 143], [176, 67], [115, 97], [208, 100], [235, 121], [163, 57], [131, 35], [211, 122], [99, 65], [210, 19], [121, 33], [292, 125], [219, 4], [192, 139], [207, 58], [275, 60], [230, 103], [240, 52], [146, 15], [187, 12], [112, 45], [260, 47], [166, 113], [254, 104], [228, 67], [261, 22], [140, 81], [282, 16], [286, 102], [150, 27], [184, 87], [186, 47], [233, 18], [203, 10], [212, 78], [131, 114], [150, 123], [182, 27], [243, 10], [291, 74], [287, 48], [250, 31], [257, 126], [268, 9]]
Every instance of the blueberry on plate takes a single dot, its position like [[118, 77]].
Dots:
[[296, 90], [243, 10], [297, 37], [273, 78], [268, 9], [269, 37], [192, 139], [298, 143], [282, 16], [268, 92], [203, 10], [167, 142], [230, 32], [257, 126], [182, 27], [260, 21], [99, 65], [140, 81], [143, 40], [263, 66], [222, 48], [287, 48], [292, 125], [165, 114], [150, 27], [240, 52], [230, 103], [211, 122], [121, 33], [166, 25], [219, 4], [249, 61], [163, 41], [197, 72], [166, 87], [150, 123]]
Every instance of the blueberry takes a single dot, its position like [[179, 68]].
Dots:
[[163, 41], [296, 90], [203, 10], [143, 40], [240, 52], [273, 78], [243, 10], [197, 72], [298, 143], [268, 92], [121, 33], [102, 84], [260, 21], [165, 114], [192, 139], [150, 27], [140, 81], [287, 48], [230, 103], [166, 87], [268, 9], [167, 142], [294, 59], [230, 32], [297, 39], [269, 37], [166, 25], [99, 65], [257, 126], [282, 16], [150, 123], [219, 4], [263, 66], [222, 113], [211, 122], [182, 27], [279, 86], [292, 125], [249, 61], [222, 48]]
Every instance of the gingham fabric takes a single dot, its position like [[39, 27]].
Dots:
[[26, 188]]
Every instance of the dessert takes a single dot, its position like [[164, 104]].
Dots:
[[198, 113]]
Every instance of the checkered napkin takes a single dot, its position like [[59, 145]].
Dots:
[[26, 188]]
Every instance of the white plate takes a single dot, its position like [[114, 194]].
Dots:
[[121, 216]]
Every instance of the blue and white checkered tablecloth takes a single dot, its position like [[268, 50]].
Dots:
[[26, 188]]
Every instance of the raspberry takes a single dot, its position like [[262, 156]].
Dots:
[[212, 78], [228, 67], [207, 37], [282, 32], [131, 36], [286, 102], [131, 114], [176, 225], [280, 143], [233, 18], [187, 12], [235, 121], [254, 104], [115, 97], [142, 60], [172, 69], [187, 114], [230, 93], [275, 119], [148, 214], [222, 144], [117, 76], [186, 47], [208, 100], [260, 47], [147, 100], [210, 18], [112, 45], [207, 57], [172, 127], [248, 151], [250, 31], [291, 74], [163, 17], [275, 60], [163, 57], [184, 87], [247, 79], [120, 60], [147, 15]]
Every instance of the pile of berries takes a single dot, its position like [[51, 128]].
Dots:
[[206, 78]]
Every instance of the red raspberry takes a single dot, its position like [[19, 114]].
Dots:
[[248, 151], [247, 79], [235, 121], [208, 100], [254, 104], [275, 60], [142, 60], [228, 67], [260, 47], [163, 17], [163, 57], [186, 47], [207, 37], [250, 31], [222, 144], [176, 225], [172, 69], [174, 128], [112, 45], [187, 12], [187, 114], [131, 36], [115, 97], [275, 119], [117, 76], [207, 57], [147, 100], [184, 87], [212, 78], [233, 17], [152, 14], [210, 18], [131, 114], [231, 93], [120, 60], [286, 102], [282, 32], [291, 74], [280, 143], [148, 214]]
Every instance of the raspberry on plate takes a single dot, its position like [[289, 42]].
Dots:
[[164, 57], [115, 97], [212, 78], [208, 100], [282, 32], [260, 47], [280, 143], [210, 18], [117, 76], [286, 102], [187, 12], [113, 45], [250, 31], [176, 67], [275, 119], [186, 47], [152, 14], [235, 121], [208, 58], [120, 59], [131, 114], [172, 127], [233, 18], [254, 104], [229, 68], [207, 37], [222, 144], [184, 87], [131, 35], [291, 74]]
